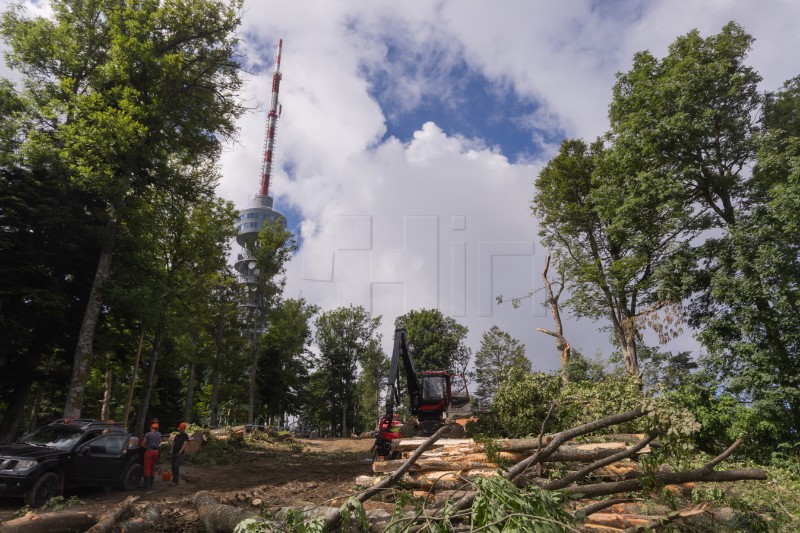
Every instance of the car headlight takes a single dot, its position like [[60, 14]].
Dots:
[[23, 465]]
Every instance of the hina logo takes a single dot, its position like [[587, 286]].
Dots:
[[432, 266]]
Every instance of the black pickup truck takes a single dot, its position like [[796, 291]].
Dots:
[[69, 453]]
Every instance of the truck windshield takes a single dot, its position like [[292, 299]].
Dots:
[[61, 438]]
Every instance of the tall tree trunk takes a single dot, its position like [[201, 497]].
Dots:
[[105, 412], [129, 401], [147, 388], [626, 336], [251, 393], [37, 402], [189, 403], [344, 418], [214, 401], [82, 362]]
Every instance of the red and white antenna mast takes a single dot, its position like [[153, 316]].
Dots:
[[272, 121]]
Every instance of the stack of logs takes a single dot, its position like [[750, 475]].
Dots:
[[451, 463], [607, 465]]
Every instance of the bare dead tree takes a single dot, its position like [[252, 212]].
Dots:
[[554, 290]]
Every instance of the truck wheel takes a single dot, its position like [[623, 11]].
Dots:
[[47, 486], [131, 477]]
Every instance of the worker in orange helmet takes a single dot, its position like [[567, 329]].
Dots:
[[179, 447], [152, 444]]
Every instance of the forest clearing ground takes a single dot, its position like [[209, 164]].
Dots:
[[324, 470]]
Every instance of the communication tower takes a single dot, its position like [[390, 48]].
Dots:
[[251, 220]]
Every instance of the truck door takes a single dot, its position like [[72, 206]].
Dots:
[[100, 461]]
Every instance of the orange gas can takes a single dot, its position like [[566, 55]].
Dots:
[[166, 475]]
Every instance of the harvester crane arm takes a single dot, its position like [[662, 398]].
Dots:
[[400, 351]]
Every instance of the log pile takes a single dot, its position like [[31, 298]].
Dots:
[[558, 462], [452, 463]]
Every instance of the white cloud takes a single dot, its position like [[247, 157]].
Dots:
[[562, 55]]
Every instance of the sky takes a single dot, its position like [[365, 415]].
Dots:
[[412, 132]]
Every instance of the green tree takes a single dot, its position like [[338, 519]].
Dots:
[[271, 250], [498, 354], [121, 91], [285, 358], [225, 327], [435, 341], [374, 370], [694, 117], [523, 400], [344, 337], [611, 223], [48, 235]]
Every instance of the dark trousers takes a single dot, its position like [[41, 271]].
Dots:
[[177, 459]]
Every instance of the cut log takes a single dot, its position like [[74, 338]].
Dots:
[[448, 461], [333, 519], [427, 465], [443, 481], [196, 441], [588, 469], [114, 515], [510, 446], [55, 522], [621, 520], [659, 522], [234, 433], [142, 524], [401, 445], [217, 517]]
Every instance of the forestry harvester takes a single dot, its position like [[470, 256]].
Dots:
[[436, 397]]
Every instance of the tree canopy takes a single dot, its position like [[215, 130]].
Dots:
[[435, 341]]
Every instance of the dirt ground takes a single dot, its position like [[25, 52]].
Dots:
[[326, 470]]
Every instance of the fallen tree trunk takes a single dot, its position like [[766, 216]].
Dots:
[[55, 522], [144, 523], [217, 517], [114, 515], [378, 519], [670, 478], [704, 473]]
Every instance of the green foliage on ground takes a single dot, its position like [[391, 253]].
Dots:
[[500, 506], [54, 504]]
